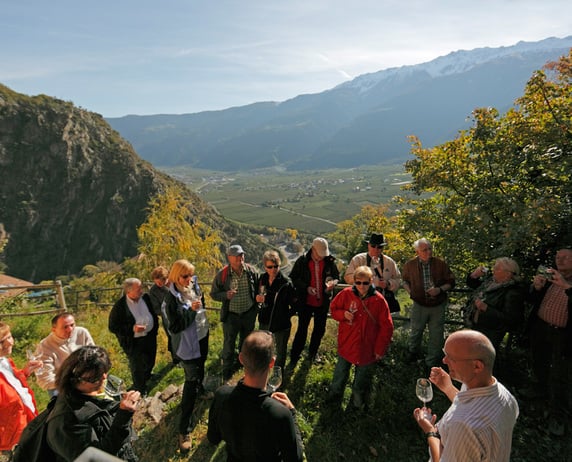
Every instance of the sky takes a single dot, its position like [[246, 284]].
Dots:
[[120, 57]]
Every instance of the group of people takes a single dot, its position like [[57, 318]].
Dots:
[[73, 370]]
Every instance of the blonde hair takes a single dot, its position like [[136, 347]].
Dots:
[[363, 272], [179, 268], [4, 329]]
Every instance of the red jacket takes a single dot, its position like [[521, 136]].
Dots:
[[360, 341], [14, 415]]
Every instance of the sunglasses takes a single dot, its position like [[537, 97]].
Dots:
[[186, 276], [377, 246], [272, 267], [90, 380], [359, 283]]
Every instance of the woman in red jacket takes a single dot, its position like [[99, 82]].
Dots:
[[364, 333], [17, 402]]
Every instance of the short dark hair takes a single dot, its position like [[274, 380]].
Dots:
[[93, 360], [58, 316], [257, 351]]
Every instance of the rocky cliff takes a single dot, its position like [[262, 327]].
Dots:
[[72, 191]]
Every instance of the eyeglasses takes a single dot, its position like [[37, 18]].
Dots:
[[186, 276], [378, 246], [272, 267], [463, 359], [359, 283], [91, 380]]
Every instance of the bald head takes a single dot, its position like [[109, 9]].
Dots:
[[474, 344]]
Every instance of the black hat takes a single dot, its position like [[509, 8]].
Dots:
[[377, 239]]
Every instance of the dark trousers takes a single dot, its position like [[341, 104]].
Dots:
[[320, 314], [550, 366], [194, 376], [142, 360], [236, 325]]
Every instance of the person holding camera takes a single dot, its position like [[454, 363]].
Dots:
[[550, 333], [497, 305]]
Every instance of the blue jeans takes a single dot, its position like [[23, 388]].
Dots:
[[434, 318], [362, 379], [236, 325]]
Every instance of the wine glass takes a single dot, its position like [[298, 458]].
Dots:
[[262, 291], [352, 309], [197, 298], [274, 379], [114, 386], [424, 392], [34, 355]]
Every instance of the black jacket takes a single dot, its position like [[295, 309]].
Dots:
[[301, 277], [279, 305], [78, 421], [121, 323]]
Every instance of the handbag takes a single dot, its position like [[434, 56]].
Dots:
[[393, 303], [389, 296]]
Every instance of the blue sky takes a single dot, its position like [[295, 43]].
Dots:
[[181, 56]]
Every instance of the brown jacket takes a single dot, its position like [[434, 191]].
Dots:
[[412, 274]]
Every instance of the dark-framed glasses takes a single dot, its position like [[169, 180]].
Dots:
[[272, 267], [359, 283]]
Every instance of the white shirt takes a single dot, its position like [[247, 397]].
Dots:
[[478, 425], [142, 315], [6, 370]]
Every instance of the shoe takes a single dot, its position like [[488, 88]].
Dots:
[[412, 357], [185, 442], [357, 401], [556, 427], [316, 359]]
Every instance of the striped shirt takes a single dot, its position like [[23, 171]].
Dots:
[[478, 425]]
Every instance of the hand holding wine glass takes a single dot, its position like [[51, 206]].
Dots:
[[352, 309], [274, 379], [424, 392], [261, 297], [114, 386], [35, 363]]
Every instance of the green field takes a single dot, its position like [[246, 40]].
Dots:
[[309, 201]]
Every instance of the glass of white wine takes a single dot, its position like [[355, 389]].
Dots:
[[274, 379], [34, 355], [114, 386], [424, 392]]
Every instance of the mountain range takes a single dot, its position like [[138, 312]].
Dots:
[[361, 122]]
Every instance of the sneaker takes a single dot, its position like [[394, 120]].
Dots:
[[316, 359], [185, 442]]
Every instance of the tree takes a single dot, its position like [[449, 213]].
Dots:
[[350, 234], [501, 188], [171, 232]]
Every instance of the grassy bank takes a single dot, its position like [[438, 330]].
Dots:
[[385, 431]]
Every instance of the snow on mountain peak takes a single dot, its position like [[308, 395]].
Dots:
[[455, 62]]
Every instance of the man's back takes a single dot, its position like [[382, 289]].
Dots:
[[254, 426]]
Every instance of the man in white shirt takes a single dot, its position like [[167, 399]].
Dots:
[[478, 425], [65, 338]]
